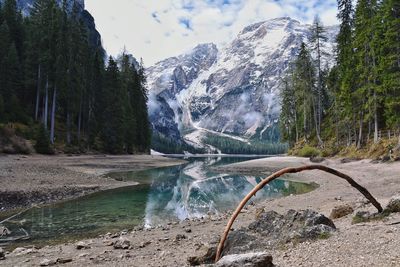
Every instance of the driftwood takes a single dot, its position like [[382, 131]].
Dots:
[[17, 238], [13, 216], [275, 175]]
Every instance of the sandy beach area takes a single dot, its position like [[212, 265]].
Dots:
[[373, 243]]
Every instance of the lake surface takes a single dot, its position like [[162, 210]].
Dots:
[[164, 194]]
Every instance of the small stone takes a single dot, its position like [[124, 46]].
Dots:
[[47, 262], [115, 235], [258, 259], [179, 237], [205, 254], [144, 244], [83, 255], [108, 243], [338, 198], [82, 245], [341, 211], [64, 260], [188, 230], [19, 250], [122, 243]]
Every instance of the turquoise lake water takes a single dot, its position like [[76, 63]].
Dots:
[[164, 194]]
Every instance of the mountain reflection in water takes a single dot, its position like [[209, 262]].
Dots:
[[164, 194]]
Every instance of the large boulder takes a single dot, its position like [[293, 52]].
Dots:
[[271, 230]]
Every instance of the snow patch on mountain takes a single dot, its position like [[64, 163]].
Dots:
[[233, 91]]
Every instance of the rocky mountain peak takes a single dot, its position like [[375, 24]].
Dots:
[[231, 91]]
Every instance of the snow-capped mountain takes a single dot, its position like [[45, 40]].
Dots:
[[232, 91]]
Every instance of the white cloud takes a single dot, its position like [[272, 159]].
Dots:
[[157, 29]]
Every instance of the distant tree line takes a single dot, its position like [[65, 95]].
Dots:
[[163, 144], [353, 101], [231, 146], [50, 74]]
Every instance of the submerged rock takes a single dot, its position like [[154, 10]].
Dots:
[[2, 254], [4, 231], [257, 259]]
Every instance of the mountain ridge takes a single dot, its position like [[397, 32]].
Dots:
[[231, 90]]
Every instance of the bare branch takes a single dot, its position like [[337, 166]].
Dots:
[[275, 175]]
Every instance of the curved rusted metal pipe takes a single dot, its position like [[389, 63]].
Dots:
[[275, 175]]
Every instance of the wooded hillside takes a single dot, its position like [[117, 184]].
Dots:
[[52, 76], [357, 101]]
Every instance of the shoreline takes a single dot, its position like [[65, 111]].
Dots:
[[41, 180], [172, 243]]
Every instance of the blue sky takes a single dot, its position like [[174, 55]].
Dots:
[[157, 29]]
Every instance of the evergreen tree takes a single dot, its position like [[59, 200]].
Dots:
[[317, 38], [389, 61], [141, 96], [304, 85], [5, 39], [346, 65], [113, 116], [366, 68]]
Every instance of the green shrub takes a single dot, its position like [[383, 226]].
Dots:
[[308, 151]]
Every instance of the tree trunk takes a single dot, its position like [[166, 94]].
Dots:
[[375, 106], [79, 120], [46, 104], [53, 115], [360, 133], [68, 127], [296, 127], [37, 95], [305, 119]]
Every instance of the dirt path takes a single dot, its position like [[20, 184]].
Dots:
[[368, 244], [26, 180]]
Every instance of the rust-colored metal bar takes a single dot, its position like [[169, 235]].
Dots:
[[275, 175]]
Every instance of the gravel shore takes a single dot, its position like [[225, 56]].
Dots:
[[374, 243]]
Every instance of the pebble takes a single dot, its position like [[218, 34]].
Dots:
[[64, 260], [144, 244], [47, 262], [81, 245]]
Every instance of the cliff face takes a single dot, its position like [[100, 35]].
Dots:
[[94, 36], [229, 91]]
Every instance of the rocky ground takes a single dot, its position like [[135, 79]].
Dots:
[[26, 180], [373, 241]]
